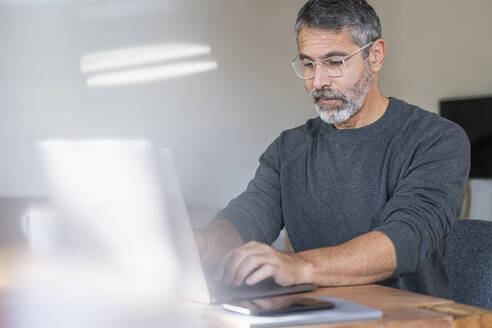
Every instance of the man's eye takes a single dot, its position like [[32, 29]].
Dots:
[[308, 65], [334, 62]]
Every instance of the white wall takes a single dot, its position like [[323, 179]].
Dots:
[[436, 49], [439, 49], [481, 199], [217, 123]]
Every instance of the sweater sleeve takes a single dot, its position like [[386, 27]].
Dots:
[[256, 213], [427, 199]]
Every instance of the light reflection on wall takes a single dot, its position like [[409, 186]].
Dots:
[[139, 56], [124, 66], [150, 74]]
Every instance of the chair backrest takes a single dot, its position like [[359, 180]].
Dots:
[[469, 262]]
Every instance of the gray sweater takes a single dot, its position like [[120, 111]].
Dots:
[[403, 175]]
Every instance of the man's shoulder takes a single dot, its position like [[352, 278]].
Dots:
[[417, 120], [293, 141], [311, 128]]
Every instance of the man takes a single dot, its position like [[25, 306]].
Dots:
[[368, 192]]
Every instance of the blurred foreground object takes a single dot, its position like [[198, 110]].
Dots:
[[105, 257]]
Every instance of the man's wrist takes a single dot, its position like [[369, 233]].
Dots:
[[306, 269]]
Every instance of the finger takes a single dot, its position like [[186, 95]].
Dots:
[[223, 263], [235, 262], [228, 265], [249, 265], [239, 255], [264, 272]]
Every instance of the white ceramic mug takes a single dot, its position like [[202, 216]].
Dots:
[[39, 228]]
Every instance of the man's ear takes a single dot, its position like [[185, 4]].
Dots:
[[377, 55]]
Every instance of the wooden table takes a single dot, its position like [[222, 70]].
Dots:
[[401, 309], [406, 309]]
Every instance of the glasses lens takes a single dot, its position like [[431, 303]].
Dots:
[[334, 66], [305, 69]]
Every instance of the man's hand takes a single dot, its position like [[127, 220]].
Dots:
[[255, 262], [363, 260], [215, 240]]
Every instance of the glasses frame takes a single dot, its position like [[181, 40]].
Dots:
[[297, 59]]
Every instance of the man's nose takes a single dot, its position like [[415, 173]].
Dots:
[[321, 78]]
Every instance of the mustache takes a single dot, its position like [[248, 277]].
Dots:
[[317, 94]]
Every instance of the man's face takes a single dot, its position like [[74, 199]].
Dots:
[[336, 99]]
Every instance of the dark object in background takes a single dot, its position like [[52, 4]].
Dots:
[[475, 117]]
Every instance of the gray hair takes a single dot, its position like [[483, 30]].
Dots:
[[335, 15]]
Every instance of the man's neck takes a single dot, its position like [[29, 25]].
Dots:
[[373, 109]]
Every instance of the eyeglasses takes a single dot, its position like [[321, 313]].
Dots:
[[333, 66]]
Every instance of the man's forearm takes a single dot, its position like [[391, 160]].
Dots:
[[366, 259]]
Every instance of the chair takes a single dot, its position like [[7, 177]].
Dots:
[[469, 262]]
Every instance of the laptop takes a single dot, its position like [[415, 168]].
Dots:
[[147, 178]]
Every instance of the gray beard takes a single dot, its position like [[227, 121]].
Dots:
[[337, 116], [350, 105]]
